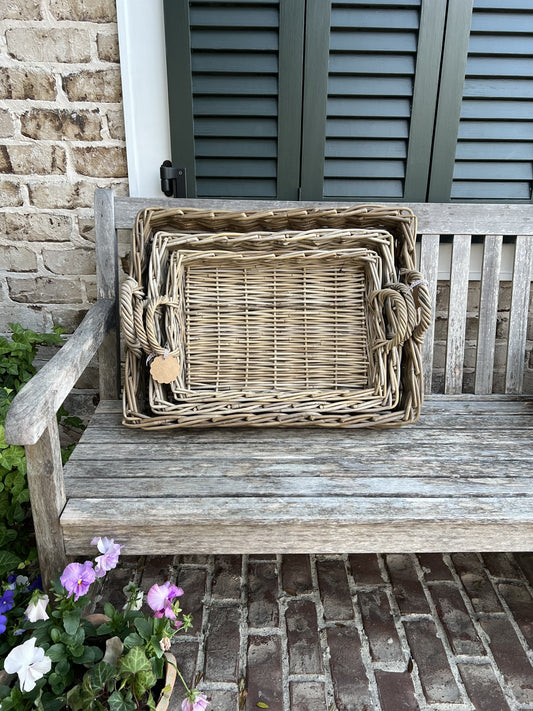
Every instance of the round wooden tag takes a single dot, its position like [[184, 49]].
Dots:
[[164, 370]]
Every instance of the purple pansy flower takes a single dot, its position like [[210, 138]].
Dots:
[[3, 623], [110, 552], [160, 599], [7, 601], [77, 578], [198, 702]]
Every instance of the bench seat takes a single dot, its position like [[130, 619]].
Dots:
[[458, 480]]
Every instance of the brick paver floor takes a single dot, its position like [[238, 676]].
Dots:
[[352, 632]]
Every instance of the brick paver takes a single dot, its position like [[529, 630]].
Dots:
[[428, 632]]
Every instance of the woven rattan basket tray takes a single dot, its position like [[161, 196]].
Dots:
[[151, 405]]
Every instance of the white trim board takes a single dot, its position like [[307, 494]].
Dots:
[[141, 33]]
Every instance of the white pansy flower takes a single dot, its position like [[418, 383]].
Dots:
[[134, 596], [36, 610], [29, 662]]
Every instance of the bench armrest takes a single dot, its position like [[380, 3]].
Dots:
[[39, 400]]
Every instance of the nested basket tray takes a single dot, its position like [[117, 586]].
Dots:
[[393, 327]]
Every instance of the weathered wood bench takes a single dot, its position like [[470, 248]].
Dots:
[[460, 479]]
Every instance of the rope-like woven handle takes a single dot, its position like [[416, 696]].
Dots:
[[151, 333], [422, 301]]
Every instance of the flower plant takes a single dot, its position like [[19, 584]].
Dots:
[[58, 658]]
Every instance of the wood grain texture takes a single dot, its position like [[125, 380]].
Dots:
[[518, 318], [455, 345], [433, 218], [37, 403], [488, 313], [461, 481], [47, 492], [429, 267]]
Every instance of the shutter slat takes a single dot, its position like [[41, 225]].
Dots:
[[369, 107], [354, 148], [343, 168], [495, 136], [373, 128], [235, 147], [390, 189]]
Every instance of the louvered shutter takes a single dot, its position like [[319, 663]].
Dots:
[[494, 154], [381, 76], [236, 105]]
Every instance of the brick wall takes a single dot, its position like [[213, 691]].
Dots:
[[61, 136]]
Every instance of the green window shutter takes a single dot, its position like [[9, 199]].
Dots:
[[494, 155], [231, 124], [376, 84]]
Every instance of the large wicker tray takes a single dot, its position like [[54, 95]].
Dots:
[[378, 399]]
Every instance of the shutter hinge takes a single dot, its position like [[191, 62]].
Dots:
[[172, 180]]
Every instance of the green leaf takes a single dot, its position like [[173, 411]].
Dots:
[[144, 628], [134, 662], [8, 562], [80, 698], [71, 621], [262, 705], [101, 673], [133, 640], [56, 652], [117, 702]]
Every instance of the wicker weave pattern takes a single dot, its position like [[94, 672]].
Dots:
[[258, 343]]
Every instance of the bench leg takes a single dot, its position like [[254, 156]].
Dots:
[[47, 495]]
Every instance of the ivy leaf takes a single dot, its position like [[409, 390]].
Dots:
[[118, 703], [134, 662], [101, 673]]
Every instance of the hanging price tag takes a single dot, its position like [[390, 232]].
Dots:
[[164, 370]]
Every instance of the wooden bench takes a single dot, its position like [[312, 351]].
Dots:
[[460, 479]]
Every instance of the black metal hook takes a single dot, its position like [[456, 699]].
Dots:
[[172, 180]]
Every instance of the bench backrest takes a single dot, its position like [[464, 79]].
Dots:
[[477, 259]]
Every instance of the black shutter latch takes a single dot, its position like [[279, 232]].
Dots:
[[172, 180]]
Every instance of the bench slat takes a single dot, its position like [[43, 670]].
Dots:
[[518, 318], [455, 346], [429, 266], [488, 311]]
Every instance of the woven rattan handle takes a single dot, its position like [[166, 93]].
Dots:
[[150, 325], [131, 310], [419, 288]]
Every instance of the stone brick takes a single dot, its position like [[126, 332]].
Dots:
[[36, 226], [16, 258], [99, 162], [525, 561], [49, 45], [436, 677], [107, 46], [10, 194], [350, 681], [379, 626], [219, 700], [102, 85], [43, 290], [91, 293], [296, 574], [7, 125], [307, 696], [476, 583], [30, 159], [71, 261], [396, 691], [510, 657], [227, 577], [48, 195], [193, 582], [434, 567], [305, 656], [334, 590], [264, 674], [482, 687], [21, 10], [116, 580], [61, 124], [456, 621], [365, 569], [262, 595], [502, 565], [186, 653], [26, 84], [84, 10], [407, 588], [115, 123], [31, 316], [520, 604], [222, 647]]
